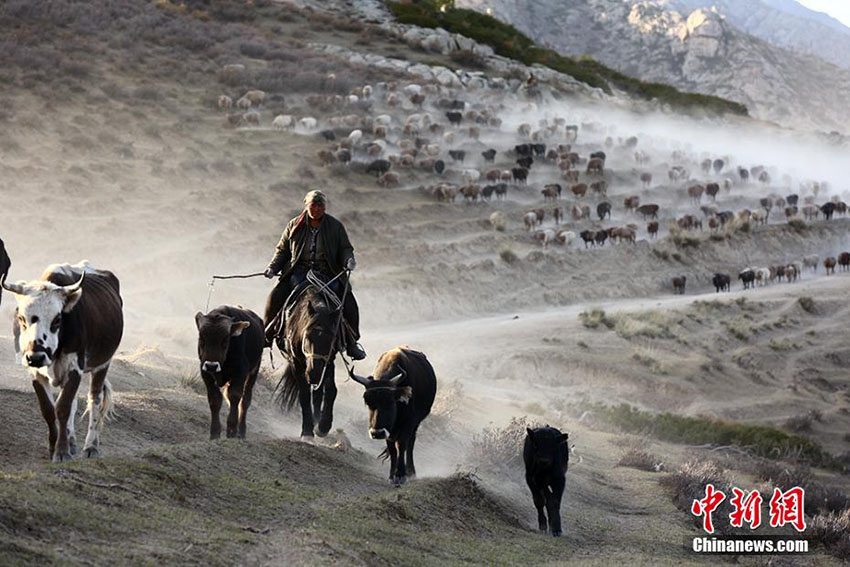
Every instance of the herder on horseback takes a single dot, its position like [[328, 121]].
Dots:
[[313, 242]]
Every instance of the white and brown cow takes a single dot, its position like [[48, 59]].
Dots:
[[69, 322]]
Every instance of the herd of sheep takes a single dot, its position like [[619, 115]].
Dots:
[[459, 145]]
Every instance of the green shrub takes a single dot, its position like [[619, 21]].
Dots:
[[761, 440], [508, 256]]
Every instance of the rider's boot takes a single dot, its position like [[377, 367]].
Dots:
[[355, 351]]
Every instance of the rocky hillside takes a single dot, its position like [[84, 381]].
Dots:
[[699, 51], [785, 24]]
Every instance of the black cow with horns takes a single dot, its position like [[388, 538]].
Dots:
[[399, 395]]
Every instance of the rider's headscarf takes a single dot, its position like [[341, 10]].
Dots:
[[315, 196]]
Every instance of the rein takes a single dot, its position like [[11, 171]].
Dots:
[[339, 303]]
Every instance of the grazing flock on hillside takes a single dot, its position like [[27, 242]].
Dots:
[[587, 189]]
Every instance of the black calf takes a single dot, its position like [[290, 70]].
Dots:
[[546, 455]]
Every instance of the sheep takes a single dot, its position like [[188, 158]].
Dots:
[[343, 156], [565, 237], [498, 220], [529, 220], [326, 157], [308, 123], [545, 237], [811, 261], [255, 96], [252, 118], [471, 175], [243, 103], [355, 136], [492, 175], [470, 192], [283, 122], [225, 102], [388, 179]]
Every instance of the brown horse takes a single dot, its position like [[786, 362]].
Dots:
[[311, 330]]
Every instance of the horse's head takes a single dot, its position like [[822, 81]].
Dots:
[[317, 341]]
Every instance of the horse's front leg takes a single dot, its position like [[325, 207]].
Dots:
[[306, 410], [326, 418], [317, 397]]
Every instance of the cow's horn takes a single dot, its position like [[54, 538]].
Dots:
[[397, 378], [69, 289], [13, 288], [360, 379]]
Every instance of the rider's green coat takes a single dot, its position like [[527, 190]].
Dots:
[[294, 242]]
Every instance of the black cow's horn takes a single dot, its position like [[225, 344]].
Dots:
[[13, 288], [397, 378], [69, 289], [359, 379]]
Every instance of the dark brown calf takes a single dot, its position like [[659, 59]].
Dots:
[[230, 345]]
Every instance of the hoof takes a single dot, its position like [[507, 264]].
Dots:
[[320, 433], [308, 439], [91, 452], [62, 457], [543, 529], [399, 480], [557, 534], [72, 445]]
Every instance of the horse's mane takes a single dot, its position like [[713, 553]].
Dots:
[[301, 318]]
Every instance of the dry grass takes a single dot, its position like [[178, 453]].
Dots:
[[652, 324], [500, 449], [596, 317], [688, 484], [648, 356], [820, 498], [832, 530], [191, 380], [638, 458], [799, 423], [683, 239]]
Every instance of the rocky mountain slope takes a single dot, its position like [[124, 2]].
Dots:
[[785, 24], [699, 51]]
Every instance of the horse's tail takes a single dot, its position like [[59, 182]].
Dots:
[[286, 391]]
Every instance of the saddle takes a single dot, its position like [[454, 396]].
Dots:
[[281, 337]]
